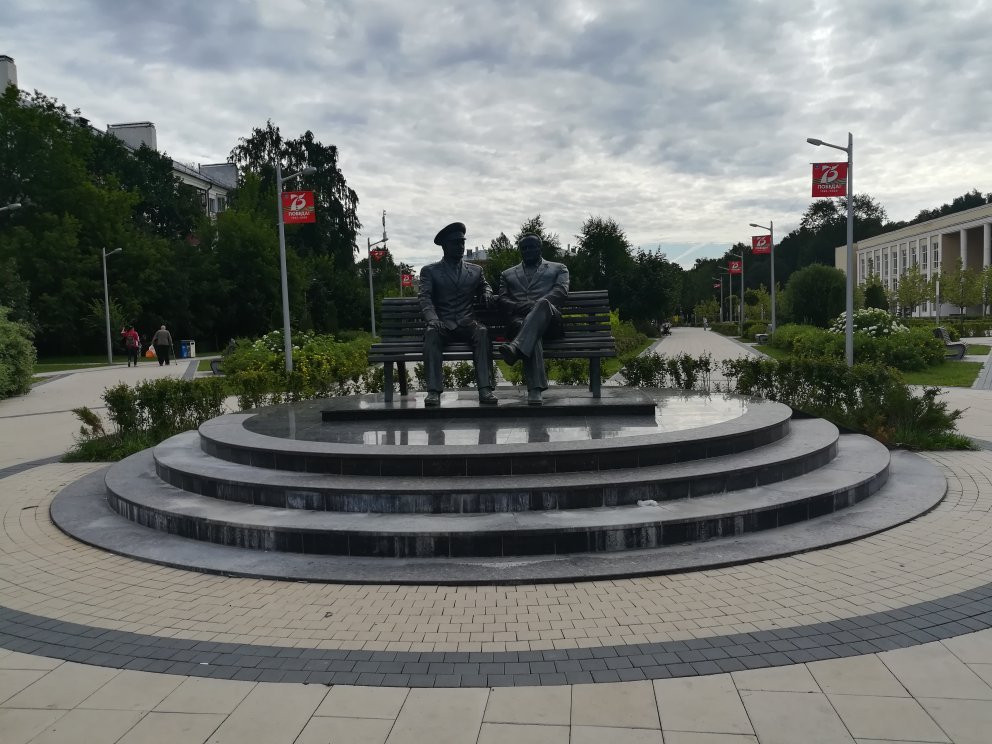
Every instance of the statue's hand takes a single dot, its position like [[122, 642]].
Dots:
[[434, 325]]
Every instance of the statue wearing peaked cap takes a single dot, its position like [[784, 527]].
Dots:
[[529, 296], [449, 290]]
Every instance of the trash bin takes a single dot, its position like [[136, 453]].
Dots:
[[187, 349], [192, 348]]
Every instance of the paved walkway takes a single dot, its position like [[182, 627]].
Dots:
[[938, 691]]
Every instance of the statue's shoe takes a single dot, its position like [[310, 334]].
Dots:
[[432, 400], [487, 397], [535, 397], [509, 353]]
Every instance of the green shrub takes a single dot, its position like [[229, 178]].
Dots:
[[866, 397], [727, 329], [146, 414], [681, 371], [323, 366], [752, 329], [17, 356], [905, 349], [628, 339]]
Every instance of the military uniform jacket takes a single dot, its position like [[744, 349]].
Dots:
[[550, 281], [449, 295]]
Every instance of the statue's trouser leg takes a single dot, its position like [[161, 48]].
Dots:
[[433, 349], [528, 341], [481, 356]]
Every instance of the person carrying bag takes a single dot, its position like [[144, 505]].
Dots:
[[162, 343]]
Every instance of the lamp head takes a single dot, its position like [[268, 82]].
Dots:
[[12, 207], [116, 250], [754, 224], [815, 142], [309, 170]]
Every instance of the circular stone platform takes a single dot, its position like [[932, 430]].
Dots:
[[605, 490]]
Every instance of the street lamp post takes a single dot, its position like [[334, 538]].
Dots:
[[287, 340], [106, 301], [720, 279], [771, 259], [369, 259], [849, 324], [741, 308]]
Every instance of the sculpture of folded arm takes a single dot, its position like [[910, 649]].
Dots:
[[449, 290], [530, 295]]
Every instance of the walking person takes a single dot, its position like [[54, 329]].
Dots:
[[162, 341], [132, 344]]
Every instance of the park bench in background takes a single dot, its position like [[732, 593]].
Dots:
[[955, 350], [586, 325]]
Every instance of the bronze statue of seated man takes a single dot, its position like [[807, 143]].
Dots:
[[530, 294], [449, 290]]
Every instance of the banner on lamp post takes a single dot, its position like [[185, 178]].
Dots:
[[734, 267], [829, 179], [761, 244], [297, 207], [378, 253], [716, 285], [406, 280]]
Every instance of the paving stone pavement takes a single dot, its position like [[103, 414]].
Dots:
[[919, 589]]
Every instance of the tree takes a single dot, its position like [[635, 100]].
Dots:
[[502, 254], [913, 290], [816, 294], [959, 286], [551, 248], [986, 288], [708, 309], [332, 236], [603, 260], [875, 294]]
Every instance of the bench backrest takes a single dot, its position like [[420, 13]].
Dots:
[[585, 314], [942, 334]]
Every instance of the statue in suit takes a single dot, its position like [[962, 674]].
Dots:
[[448, 292], [529, 296]]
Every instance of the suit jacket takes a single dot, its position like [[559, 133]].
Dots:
[[450, 297], [550, 282]]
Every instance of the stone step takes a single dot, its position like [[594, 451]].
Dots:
[[811, 444], [256, 439], [860, 468]]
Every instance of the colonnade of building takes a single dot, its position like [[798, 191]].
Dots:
[[929, 245]]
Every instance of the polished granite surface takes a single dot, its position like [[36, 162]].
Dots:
[[674, 411]]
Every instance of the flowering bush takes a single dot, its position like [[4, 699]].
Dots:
[[880, 340], [871, 320], [323, 366]]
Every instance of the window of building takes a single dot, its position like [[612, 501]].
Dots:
[[885, 264], [936, 254]]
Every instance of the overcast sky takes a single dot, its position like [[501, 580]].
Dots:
[[683, 120]]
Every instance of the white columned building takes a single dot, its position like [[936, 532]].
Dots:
[[966, 235]]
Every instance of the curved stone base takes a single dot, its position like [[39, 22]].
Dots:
[[914, 487]]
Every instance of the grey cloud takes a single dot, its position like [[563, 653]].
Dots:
[[680, 119]]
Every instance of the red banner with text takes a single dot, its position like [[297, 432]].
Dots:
[[829, 179], [406, 280], [297, 207], [378, 253], [734, 267], [761, 244]]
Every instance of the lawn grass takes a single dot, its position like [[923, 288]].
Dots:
[[978, 349], [203, 366], [949, 373], [61, 364]]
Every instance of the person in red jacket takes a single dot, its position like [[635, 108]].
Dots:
[[132, 344]]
